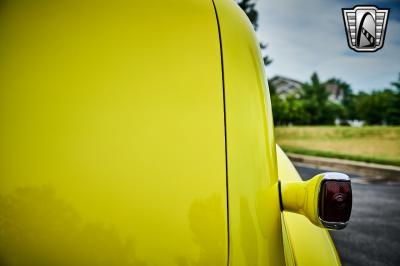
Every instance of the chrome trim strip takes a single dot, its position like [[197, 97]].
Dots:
[[334, 225], [335, 176]]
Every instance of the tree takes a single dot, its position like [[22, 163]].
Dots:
[[396, 84], [315, 97], [394, 113], [249, 7], [378, 107], [348, 109], [279, 110], [296, 113]]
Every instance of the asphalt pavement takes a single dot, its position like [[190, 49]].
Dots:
[[372, 236]]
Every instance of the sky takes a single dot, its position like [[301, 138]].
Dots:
[[309, 36]]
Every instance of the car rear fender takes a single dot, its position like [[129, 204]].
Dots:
[[305, 243]]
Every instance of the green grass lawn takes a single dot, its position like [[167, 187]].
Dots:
[[368, 144]]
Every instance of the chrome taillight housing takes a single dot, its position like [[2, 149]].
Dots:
[[335, 200]]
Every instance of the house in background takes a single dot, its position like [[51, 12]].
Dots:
[[335, 93], [285, 87]]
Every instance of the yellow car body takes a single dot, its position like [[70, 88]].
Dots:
[[141, 133]]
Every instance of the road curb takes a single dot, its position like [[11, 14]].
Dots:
[[372, 171]]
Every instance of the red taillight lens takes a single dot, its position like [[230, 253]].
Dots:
[[335, 201]]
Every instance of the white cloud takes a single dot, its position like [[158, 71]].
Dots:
[[308, 36]]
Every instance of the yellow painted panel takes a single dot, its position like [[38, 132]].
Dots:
[[112, 144], [310, 244], [254, 214]]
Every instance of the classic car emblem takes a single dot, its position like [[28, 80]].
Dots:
[[365, 27]]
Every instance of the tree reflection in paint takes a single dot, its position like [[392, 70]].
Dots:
[[37, 228], [208, 224]]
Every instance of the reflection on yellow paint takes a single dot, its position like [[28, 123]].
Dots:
[[102, 102], [37, 228], [202, 214]]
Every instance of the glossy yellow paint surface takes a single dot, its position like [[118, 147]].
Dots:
[[112, 139], [111, 134], [309, 244], [302, 197], [254, 214]]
